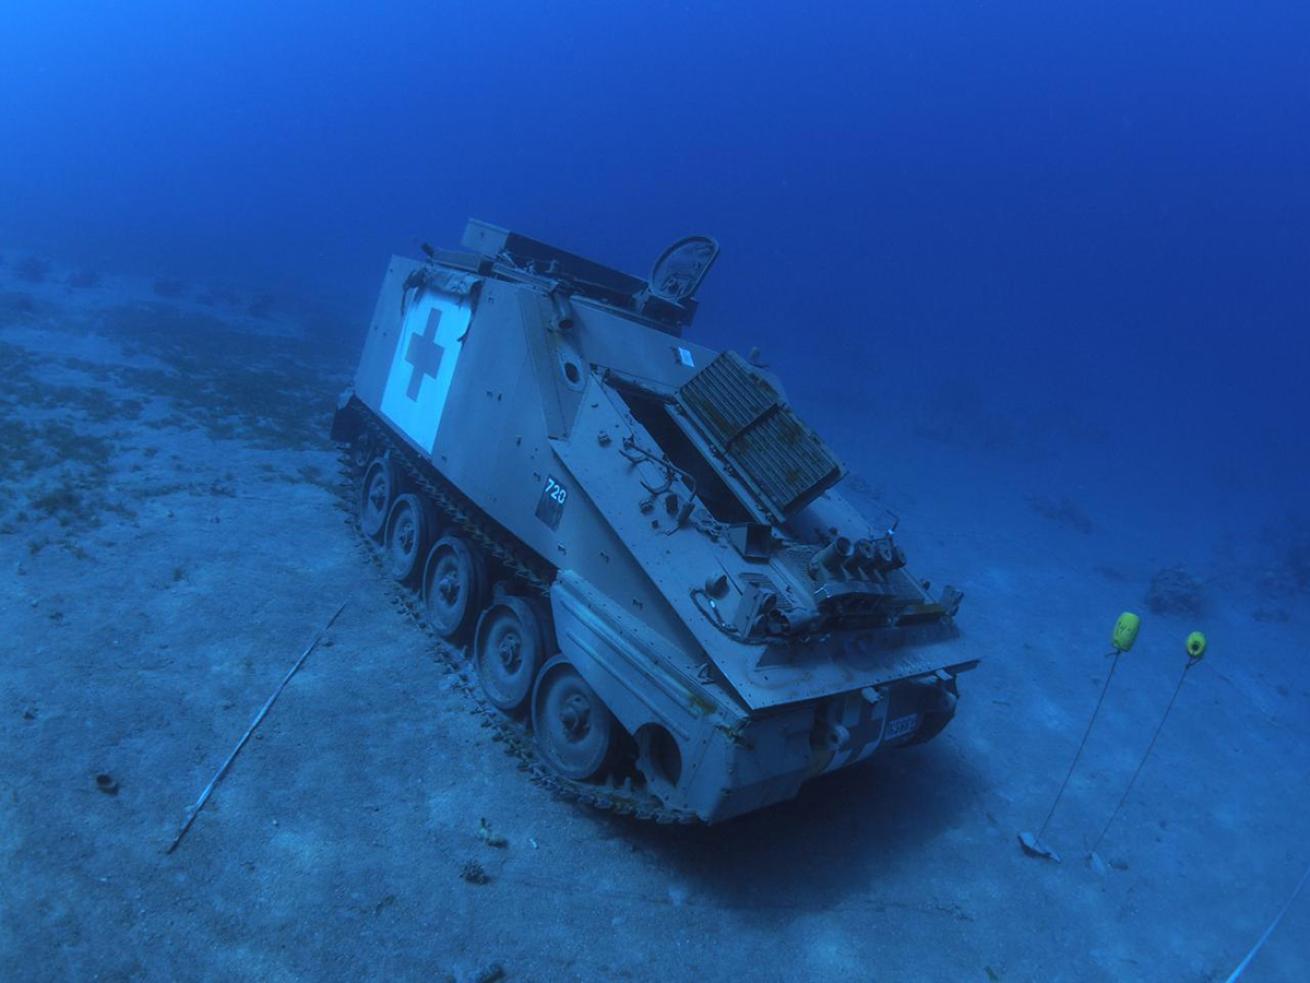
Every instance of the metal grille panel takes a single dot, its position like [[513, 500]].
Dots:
[[744, 418]]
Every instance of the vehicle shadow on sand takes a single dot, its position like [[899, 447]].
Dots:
[[842, 843]]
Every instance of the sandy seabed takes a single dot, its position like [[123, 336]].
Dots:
[[172, 537]]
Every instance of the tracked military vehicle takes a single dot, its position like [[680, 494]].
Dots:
[[629, 546]]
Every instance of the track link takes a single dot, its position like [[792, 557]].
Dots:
[[529, 573]]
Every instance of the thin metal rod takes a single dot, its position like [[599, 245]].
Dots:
[[199, 804], [1142, 764], [1081, 744], [1241, 967]]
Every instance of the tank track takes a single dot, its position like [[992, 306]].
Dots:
[[529, 573]]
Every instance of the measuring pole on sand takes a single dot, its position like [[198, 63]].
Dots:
[[199, 804]]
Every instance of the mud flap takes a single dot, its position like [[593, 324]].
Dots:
[[345, 422]]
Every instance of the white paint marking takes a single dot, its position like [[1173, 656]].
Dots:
[[415, 397]]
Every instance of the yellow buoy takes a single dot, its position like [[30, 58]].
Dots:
[[1122, 638], [1195, 649], [1125, 631]]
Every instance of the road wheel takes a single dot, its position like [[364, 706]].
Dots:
[[409, 531], [508, 650], [454, 587], [377, 494], [574, 731]]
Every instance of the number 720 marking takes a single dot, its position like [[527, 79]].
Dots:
[[551, 504]]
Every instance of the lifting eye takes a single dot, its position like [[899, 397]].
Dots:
[[572, 371]]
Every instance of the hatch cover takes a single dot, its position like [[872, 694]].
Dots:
[[681, 268]]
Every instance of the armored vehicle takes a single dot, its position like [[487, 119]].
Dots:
[[627, 545]]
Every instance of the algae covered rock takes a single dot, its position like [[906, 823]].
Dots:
[[1175, 591]]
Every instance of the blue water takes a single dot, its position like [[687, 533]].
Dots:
[[1099, 208], [1068, 241]]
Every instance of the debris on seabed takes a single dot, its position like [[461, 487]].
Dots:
[[473, 873], [488, 837]]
